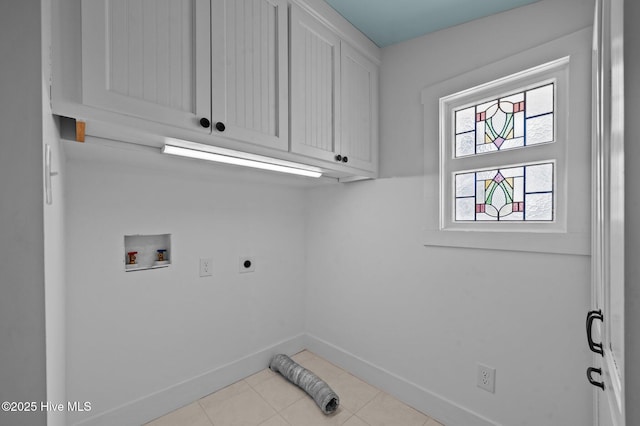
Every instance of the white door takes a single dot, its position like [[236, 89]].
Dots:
[[250, 71], [607, 324], [149, 59]]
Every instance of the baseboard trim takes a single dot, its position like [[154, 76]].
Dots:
[[440, 408], [164, 401]]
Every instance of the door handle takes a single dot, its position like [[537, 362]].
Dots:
[[595, 347], [592, 370]]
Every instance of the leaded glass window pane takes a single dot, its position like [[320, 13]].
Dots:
[[523, 193], [513, 121]]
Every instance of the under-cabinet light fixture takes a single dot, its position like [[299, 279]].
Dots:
[[227, 156]]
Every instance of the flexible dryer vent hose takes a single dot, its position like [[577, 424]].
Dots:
[[319, 390]]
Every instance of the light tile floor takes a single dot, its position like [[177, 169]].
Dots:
[[268, 399]]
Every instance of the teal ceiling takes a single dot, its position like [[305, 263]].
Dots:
[[387, 22]]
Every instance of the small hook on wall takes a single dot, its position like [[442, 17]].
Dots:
[[48, 173]]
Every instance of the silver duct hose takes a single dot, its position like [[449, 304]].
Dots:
[[318, 389]]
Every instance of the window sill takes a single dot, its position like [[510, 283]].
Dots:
[[537, 242]]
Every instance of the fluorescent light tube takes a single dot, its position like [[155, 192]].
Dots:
[[239, 161]]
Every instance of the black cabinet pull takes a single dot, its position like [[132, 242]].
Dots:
[[592, 370], [204, 122], [338, 157], [591, 316], [345, 159], [220, 126]]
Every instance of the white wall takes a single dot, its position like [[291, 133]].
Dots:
[[420, 318], [141, 343], [54, 246], [22, 318], [428, 314], [54, 277]]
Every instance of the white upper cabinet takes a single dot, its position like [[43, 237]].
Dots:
[[148, 59], [250, 71], [334, 96], [315, 82], [217, 66], [359, 109], [288, 79]]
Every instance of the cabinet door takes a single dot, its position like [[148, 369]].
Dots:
[[359, 99], [250, 71], [315, 83], [148, 59]]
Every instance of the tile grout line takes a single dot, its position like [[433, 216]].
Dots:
[[278, 411], [205, 412]]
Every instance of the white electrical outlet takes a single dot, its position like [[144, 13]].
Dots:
[[487, 378], [206, 267], [246, 264]]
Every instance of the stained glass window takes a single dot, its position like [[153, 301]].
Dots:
[[522, 193], [517, 120]]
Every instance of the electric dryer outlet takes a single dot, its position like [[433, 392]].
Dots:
[[246, 264]]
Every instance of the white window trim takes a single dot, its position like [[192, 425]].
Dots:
[[565, 60]]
